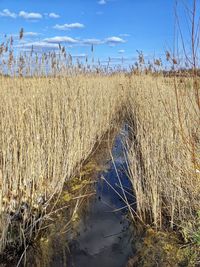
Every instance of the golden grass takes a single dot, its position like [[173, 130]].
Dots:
[[164, 153], [48, 127]]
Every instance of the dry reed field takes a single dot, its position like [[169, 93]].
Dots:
[[48, 127], [164, 119]]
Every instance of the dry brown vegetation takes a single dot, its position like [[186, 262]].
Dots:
[[164, 153], [48, 127], [164, 147]]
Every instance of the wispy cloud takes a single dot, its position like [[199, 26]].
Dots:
[[31, 34], [31, 15], [38, 45], [53, 42], [27, 15], [109, 40], [66, 26], [54, 15], [61, 39], [121, 51], [114, 40], [8, 13], [102, 2], [125, 35], [92, 41]]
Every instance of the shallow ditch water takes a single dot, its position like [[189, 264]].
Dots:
[[104, 234]]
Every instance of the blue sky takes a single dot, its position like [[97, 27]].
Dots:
[[115, 27]]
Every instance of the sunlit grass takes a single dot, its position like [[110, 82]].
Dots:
[[49, 126]]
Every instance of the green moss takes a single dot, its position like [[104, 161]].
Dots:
[[162, 249], [191, 230]]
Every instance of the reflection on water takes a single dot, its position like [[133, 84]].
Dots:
[[104, 236]]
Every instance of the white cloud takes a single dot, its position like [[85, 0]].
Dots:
[[54, 15], [102, 2], [27, 15], [39, 45], [114, 40], [31, 34], [53, 42], [8, 13], [61, 39], [110, 41], [69, 26], [92, 41], [125, 35], [30, 15]]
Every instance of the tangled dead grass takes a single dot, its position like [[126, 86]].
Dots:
[[48, 127], [164, 154]]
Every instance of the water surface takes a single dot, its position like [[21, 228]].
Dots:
[[104, 235]]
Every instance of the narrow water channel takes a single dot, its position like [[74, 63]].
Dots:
[[104, 235]]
